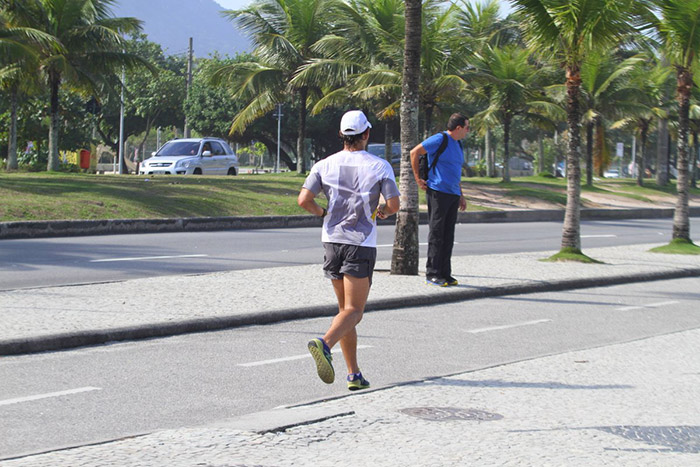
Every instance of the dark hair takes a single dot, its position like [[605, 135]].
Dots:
[[456, 120], [352, 140]]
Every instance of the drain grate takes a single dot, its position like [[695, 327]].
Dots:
[[443, 414]]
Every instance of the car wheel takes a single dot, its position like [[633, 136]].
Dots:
[[231, 171], [197, 171]]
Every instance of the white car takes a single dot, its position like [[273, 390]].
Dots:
[[192, 156], [612, 173]]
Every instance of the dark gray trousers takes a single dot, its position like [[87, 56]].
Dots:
[[442, 217]]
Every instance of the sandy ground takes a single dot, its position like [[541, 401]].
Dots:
[[496, 197]]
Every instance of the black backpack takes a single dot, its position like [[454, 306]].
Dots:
[[423, 170]]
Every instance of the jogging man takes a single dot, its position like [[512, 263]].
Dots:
[[351, 181], [443, 193]]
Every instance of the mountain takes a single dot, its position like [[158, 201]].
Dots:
[[171, 23]]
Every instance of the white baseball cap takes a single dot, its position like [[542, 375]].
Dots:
[[354, 122]]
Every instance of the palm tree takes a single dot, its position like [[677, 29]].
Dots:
[[648, 83], [18, 64], [606, 94], [443, 58], [514, 89], [284, 33], [360, 61], [404, 259], [680, 29], [91, 49], [569, 30]]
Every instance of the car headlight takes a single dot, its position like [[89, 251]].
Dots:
[[183, 163]]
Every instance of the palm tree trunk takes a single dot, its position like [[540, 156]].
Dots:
[[681, 218], [571, 235], [506, 152], [589, 153], [540, 158], [12, 143], [404, 259], [662, 154], [428, 123], [490, 166], [52, 165], [641, 164], [388, 141], [301, 136], [694, 161]]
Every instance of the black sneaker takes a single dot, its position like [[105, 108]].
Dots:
[[452, 281], [438, 281]]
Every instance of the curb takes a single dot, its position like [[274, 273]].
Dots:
[[70, 228], [86, 338]]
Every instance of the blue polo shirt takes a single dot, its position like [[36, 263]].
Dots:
[[448, 171]]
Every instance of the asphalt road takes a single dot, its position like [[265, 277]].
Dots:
[[76, 260], [88, 395]]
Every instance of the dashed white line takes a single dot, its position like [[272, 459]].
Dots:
[[289, 359], [420, 244], [641, 307], [508, 326], [145, 258], [19, 400]]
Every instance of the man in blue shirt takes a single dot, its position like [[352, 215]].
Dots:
[[444, 196]]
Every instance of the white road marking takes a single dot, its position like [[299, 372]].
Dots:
[[289, 359], [508, 326], [420, 244], [19, 400], [641, 307], [598, 236], [142, 258]]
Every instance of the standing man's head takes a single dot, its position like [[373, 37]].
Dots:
[[354, 130], [458, 126]]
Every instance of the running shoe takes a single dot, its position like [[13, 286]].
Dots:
[[323, 358], [438, 281], [356, 381], [452, 281]]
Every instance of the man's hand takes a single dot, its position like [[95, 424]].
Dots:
[[462, 203], [422, 184]]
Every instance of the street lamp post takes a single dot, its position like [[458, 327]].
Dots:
[[278, 115]]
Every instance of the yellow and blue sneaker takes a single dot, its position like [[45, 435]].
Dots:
[[357, 381], [323, 358], [451, 281]]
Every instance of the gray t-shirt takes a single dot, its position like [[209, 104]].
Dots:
[[352, 182]]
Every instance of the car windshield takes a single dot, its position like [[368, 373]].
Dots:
[[179, 148]]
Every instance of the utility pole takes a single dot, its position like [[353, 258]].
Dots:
[[278, 115], [188, 83]]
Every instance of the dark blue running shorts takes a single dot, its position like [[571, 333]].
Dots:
[[340, 259]]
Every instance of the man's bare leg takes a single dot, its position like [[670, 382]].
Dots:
[[352, 293]]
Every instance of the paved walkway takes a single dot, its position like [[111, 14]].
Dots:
[[633, 404], [62, 317]]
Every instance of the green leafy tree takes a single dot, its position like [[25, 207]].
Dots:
[[91, 49], [18, 63]]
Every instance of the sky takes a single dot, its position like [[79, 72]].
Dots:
[[236, 4]]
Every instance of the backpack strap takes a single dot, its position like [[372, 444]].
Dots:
[[441, 149]]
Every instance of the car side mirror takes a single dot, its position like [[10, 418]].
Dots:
[[206, 153], [153, 153]]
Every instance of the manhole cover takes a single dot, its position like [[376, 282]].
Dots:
[[440, 414]]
